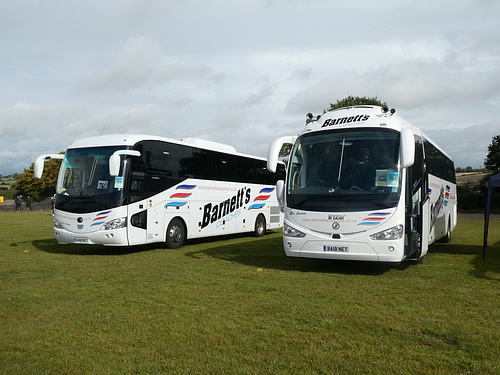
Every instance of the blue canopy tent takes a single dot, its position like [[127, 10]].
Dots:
[[493, 182]]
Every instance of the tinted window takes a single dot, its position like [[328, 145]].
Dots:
[[163, 165], [196, 163], [84, 183], [438, 164], [344, 169], [158, 168], [417, 169], [223, 166], [245, 169]]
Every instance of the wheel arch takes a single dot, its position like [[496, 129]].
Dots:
[[181, 220], [260, 225]]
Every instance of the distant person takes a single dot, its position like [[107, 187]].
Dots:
[[19, 203], [28, 203]]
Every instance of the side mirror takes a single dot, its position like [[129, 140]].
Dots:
[[114, 160], [40, 161], [280, 192], [407, 148], [274, 151]]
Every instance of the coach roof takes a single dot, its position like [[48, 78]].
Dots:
[[131, 139]]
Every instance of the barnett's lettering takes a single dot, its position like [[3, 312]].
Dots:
[[345, 120], [212, 213]]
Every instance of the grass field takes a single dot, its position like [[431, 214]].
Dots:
[[240, 306]]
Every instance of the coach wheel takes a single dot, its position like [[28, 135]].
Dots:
[[176, 233], [260, 226], [447, 237], [448, 232]]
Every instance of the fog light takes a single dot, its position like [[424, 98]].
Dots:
[[289, 245], [391, 249]]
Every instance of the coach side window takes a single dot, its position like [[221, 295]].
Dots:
[[196, 163], [157, 169], [245, 169], [223, 166], [438, 164]]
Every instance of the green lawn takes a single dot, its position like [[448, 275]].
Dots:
[[240, 306]]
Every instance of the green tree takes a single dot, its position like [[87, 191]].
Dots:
[[355, 100], [285, 150], [492, 161], [27, 184]]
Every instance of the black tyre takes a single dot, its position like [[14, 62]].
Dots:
[[447, 237], [176, 234], [260, 226]]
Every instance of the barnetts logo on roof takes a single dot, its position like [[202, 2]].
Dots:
[[345, 120]]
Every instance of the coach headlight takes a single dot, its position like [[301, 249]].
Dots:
[[292, 232], [394, 233], [57, 224], [121, 222]]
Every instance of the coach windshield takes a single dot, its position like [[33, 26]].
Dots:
[[84, 184], [345, 170]]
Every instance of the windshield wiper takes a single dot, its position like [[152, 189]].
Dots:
[[293, 203], [301, 202], [63, 201], [376, 202]]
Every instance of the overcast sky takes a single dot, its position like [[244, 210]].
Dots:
[[242, 72]]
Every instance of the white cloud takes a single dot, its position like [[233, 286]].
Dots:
[[142, 64], [265, 91], [127, 119], [24, 121]]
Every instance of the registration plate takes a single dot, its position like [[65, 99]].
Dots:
[[80, 240], [336, 249]]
